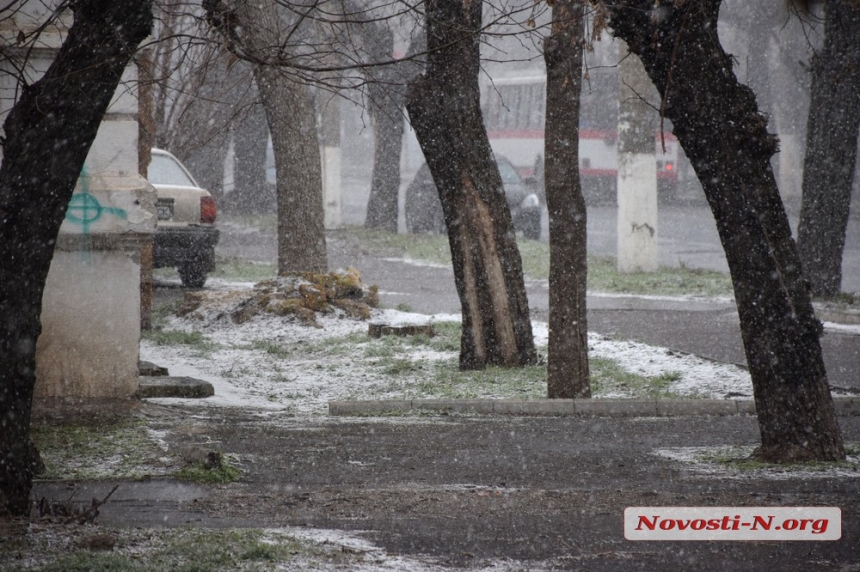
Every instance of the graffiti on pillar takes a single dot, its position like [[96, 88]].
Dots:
[[85, 209]]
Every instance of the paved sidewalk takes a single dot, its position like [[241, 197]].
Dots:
[[845, 406]]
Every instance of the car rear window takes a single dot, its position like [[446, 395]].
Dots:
[[164, 170]]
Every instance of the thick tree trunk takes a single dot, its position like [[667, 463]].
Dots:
[[725, 137], [301, 216], [382, 205], [567, 367], [291, 117], [444, 106], [249, 177], [831, 148], [48, 135], [386, 109]]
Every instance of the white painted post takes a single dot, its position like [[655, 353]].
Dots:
[[637, 169]]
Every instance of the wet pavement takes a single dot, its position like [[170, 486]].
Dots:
[[470, 492]]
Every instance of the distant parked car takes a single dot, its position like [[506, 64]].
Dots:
[[186, 236], [424, 211]]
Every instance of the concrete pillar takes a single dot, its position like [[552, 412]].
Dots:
[[90, 339]]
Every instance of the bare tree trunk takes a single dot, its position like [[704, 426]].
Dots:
[[382, 205], [831, 148], [301, 216], [567, 368], [725, 137], [249, 178], [444, 106], [290, 113], [48, 136], [386, 108]]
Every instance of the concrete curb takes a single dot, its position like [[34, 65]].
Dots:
[[845, 406]]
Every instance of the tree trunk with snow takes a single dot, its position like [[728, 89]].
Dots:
[[567, 365], [444, 107], [725, 137], [831, 148], [48, 134]]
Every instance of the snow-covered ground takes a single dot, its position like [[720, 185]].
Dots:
[[262, 364]]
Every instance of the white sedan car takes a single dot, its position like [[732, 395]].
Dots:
[[186, 235]]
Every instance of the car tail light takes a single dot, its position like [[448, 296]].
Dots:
[[208, 210], [669, 166]]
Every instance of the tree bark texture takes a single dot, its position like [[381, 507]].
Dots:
[[386, 110], [301, 215], [718, 124], [48, 135], [444, 107], [831, 148], [251, 137], [567, 365], [290, 113]]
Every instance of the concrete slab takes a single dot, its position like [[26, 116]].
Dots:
[[538, 407], [149, 369], [484, 406], [672, 407], [616, 407], [166, 386], [746, 407], [368, 407]]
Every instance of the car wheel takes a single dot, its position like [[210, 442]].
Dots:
[[192, 275]]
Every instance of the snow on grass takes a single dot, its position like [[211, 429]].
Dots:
[[67, 547], [277, 364], [733, 462]]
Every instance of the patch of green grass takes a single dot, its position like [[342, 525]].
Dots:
[[602, 273], [183, 549], [272, 348], [267, 223], [178, 337], [240, 270], [160, 315], [608, 377], [197, 473], [603, 276], [399, 366], [447, 338], [402, 307], [739, 458], [122, 450], [518, 382], [380, 351]]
